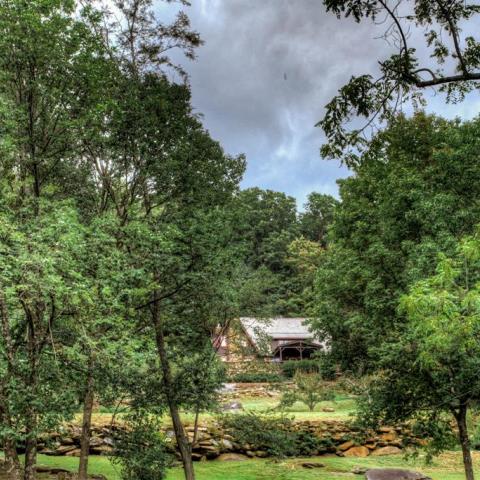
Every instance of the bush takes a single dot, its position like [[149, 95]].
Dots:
[[257, 378], [140, 449], [272, 434], [321, 363], [290, 367], [327, 366], [309, 389]]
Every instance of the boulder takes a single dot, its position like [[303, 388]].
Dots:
[[226, 444], [386, 429], [346, 445], [73, 453], [67, 441], [357, 452], [394, 474], [64, 449], [96, 441], [388, 437], [391, 450], [261, 454], [101, 450]]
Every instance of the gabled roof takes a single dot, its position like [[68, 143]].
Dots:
[[279, 328]]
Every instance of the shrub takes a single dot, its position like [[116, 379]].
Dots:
[[327, 366], [140, 448], [257, 378], [290, 367], [322, 363], [272, 434], [309, 389]]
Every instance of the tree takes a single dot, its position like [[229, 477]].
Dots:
[[166, 180], [317, 217], [114, 219], [432, 369], [309, 389], [414, 194], [304, 258], [450, 36], [47, 59], [40, 291], [266, 224]]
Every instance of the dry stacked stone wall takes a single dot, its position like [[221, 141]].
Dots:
[[214, 442]]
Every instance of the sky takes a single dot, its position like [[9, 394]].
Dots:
[[264, 75]]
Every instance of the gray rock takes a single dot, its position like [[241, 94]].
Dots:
[[232, 406], [226, 444], [227, 388], [394, 474]]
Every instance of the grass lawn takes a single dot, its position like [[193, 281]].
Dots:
[[446, 467], [343, 405]]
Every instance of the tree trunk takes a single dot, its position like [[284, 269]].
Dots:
[[30, 456], [184, 445], [31, 417], [12, 462], [87, 420], [461, 418]]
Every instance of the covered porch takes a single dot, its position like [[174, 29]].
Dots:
[[294, 350]]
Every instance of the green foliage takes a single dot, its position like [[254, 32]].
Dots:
[[291, 367], [140, 449], [309, 389], [279, 248], [429, 374], [403, 75], [114, 222], [321, 363], [257, 378], [415, 194], [317, 217], [273, 434]]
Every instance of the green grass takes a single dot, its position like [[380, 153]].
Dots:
[[446, 467], [344, 406]]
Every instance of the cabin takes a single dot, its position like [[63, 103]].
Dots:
[[273, 340]]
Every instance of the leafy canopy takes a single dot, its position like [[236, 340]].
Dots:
[[450, 36]]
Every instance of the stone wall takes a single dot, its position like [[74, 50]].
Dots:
[[213, 441]]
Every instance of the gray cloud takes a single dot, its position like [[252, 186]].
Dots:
[[262, 79]]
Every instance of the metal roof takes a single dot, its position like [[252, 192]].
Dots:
[[279, 328]]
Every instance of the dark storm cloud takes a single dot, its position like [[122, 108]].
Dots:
[[262, 78]]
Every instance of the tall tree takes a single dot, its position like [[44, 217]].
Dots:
[[266, 223], [46, 56], [166, 180], [451, 39], [317, 217], [429, 375], [415, 193], [41, 289]]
